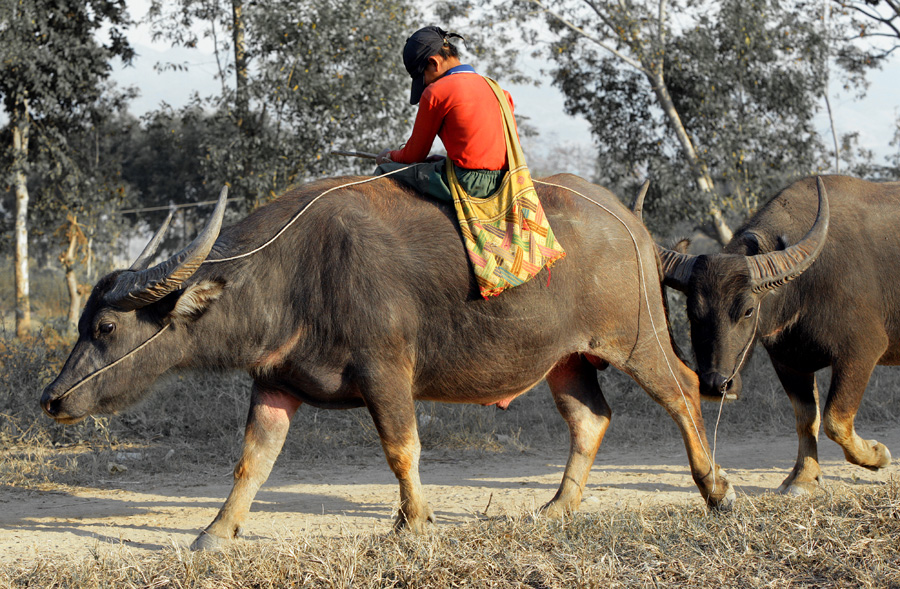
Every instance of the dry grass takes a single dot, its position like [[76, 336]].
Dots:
[[846, 538]]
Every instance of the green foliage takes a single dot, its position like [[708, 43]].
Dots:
[[50, 55], [53, 71], [745, 79], [321, 75]]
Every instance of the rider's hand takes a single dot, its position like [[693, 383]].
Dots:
[[383, 157]]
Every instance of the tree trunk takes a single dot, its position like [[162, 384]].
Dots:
[[20, 128], [698, 168], [68, 261], [834, 136], [242, 99], [240, 62]]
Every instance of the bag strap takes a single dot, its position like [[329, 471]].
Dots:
[[514, 153]]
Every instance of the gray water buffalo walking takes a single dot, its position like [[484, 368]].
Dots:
[[833, 299], [367, 299]]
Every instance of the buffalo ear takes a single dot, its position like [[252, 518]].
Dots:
[[751, 244], [196, 299], [782, 242], [682, 246]]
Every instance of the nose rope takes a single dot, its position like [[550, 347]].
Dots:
[[734, 372], [712, 464], [96, 373], [746, 349]]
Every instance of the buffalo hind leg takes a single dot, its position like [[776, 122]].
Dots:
[[803, 392], [848, 383], [573, 383], [389, 400], [267, 425], [681, 400]]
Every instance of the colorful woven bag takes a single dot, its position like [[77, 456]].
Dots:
[[507, 236]]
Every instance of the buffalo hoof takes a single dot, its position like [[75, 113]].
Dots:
[[801, 489], [208, 542], [557, 509], [414, 525], [726, 501], [883, 456]]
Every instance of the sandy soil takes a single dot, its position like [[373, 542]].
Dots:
[[149, 513]]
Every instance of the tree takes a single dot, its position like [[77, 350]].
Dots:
[[308, 77], [720, 93], [51, 72], [635, 34], [76, 242]]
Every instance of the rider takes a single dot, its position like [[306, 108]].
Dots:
[[456, 104]]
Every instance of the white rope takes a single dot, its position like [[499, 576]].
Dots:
[[96, 373], [734, 372], [303, 210], [649, 313]]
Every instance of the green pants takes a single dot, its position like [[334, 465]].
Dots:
[[430, 178]]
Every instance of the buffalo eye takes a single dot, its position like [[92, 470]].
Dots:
[[106, 328], [748, 313]]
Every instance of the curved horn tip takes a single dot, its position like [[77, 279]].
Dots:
[[153, 284], [144, 258], [823, 194], [773, 269], [637, 206]]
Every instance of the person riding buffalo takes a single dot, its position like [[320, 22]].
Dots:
[[457, 105]]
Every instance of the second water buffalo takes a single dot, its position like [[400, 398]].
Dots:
[[830, 300]]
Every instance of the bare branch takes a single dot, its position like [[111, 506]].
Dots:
[[661, 19], [576, 29]]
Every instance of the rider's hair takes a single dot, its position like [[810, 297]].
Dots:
[[448, 50]]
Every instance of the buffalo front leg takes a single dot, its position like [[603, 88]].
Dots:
[[674, 386], [573, 383], [848, 383], [803, 392], [267, 426], [389, 400]]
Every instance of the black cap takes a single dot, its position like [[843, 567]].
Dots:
[[419, 47]]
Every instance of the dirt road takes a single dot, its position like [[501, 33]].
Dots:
[[149, 513]]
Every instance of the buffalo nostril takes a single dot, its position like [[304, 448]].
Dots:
[[50, 406], [713, 381]]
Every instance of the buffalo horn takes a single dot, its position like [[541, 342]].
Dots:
[[637, 206], [676, 267], [771, 270], [136, 289], [143, 260]]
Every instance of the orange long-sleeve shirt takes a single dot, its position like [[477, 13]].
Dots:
[[462, 110]]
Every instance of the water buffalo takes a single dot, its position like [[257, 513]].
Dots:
[[366, 299], [833, 299]]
